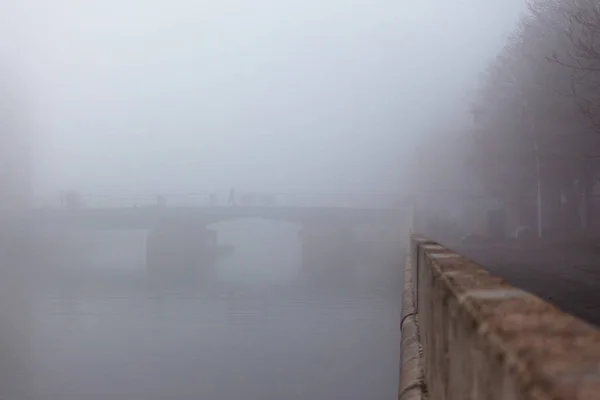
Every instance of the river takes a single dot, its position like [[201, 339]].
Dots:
[[82, 323]]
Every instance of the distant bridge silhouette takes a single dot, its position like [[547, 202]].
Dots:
[[149, 217], [205, 199], [299, 208]]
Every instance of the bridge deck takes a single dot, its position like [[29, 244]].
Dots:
[[568, 278], [144, 217]]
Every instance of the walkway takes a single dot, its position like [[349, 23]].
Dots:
[[568, 278]]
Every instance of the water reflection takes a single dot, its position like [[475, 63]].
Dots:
[[83, 321]]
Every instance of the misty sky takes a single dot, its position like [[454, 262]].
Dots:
[[146, 96]]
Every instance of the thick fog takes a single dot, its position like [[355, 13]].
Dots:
[[248, 105], [476, 122], [147, 97]]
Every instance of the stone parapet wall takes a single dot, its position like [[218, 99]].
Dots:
[[467, 334]]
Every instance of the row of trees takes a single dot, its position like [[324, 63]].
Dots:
[[536, 117]]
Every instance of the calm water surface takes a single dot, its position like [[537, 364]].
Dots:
[[81, 322]]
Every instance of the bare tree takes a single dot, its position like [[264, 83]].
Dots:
[[535, 120]]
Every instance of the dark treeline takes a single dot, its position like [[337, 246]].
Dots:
[[533, 132]]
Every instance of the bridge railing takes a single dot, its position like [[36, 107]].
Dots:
[[346, 200], [247, 199], [467, 334]]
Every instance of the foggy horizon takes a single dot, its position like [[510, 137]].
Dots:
[[222, 200], [147, 98]]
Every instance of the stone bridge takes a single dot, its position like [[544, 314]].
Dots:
[[329, 236], [131, 218]]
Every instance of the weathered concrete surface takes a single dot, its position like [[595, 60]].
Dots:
[[412, 384], [484, 339]]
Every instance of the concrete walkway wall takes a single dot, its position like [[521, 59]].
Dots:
[[467, 334]]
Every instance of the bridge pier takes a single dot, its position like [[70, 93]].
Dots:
[[349, 251], [180, 253]]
